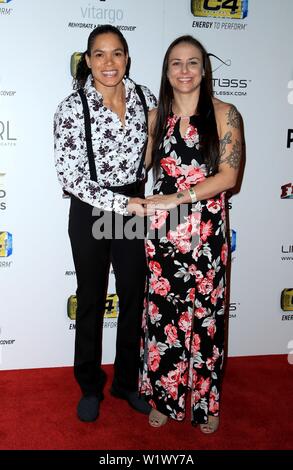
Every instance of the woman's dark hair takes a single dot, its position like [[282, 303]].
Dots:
[[83, 71], [209, 140]]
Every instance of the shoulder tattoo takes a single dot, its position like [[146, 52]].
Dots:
[[233, 117]]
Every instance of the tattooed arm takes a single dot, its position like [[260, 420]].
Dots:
[[228, 123], [230, 140]]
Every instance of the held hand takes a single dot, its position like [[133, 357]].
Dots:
[[136, 206], [163, 202]]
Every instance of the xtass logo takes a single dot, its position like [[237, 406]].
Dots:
[[217, 62], [224, 85]]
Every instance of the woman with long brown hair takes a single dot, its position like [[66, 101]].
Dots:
[[196, 143]]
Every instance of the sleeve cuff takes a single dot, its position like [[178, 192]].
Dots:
[[120, 204]]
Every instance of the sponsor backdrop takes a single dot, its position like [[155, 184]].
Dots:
[[251, 43]]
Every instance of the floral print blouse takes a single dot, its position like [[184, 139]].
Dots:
[[117, 149]]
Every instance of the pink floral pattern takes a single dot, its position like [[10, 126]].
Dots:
[[191, 137], [183, 319]]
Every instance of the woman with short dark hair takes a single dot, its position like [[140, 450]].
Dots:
[[100, 137]]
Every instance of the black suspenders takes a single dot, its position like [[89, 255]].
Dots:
[[145, 108], [88, 133]]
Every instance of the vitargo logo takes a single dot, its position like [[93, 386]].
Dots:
[[109, 14]]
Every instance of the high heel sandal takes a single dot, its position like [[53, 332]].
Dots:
[[211, 426], [157, 419]]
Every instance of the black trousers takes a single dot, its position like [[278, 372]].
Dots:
[[92, 258]]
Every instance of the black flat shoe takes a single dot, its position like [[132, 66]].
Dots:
[[133, 399], [88, 408]]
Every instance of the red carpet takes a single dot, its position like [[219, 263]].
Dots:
[[37, 410]]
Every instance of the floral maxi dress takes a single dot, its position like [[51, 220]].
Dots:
[[182, 347]]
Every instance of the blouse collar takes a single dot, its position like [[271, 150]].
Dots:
[[92, 92]]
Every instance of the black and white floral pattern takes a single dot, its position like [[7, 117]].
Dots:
[[117, 149]]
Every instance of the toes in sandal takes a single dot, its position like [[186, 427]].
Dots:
[[157, 419], [211, 426]]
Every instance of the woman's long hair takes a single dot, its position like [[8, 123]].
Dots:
[[209, 140], [82, 70]]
